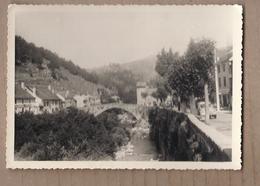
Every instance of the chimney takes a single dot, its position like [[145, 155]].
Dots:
[[22, 85], [67, 93], [34, 90], [49, 87]]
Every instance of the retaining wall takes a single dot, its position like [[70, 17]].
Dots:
[[183, 137]]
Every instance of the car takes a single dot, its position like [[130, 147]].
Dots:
[[202, 110]]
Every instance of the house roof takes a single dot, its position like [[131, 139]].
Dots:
[[150, 90], [224, 55], [21, 93], [44, 93], [66, 95], [140, 84]]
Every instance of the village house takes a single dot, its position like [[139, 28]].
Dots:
[[83, 101], [80, 100], [224, 68], [67, 99], [45, 97], [24, 101], [144, 95]]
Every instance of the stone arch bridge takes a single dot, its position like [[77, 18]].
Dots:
[[139, 112]]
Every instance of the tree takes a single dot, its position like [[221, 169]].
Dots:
[[188, 75], [200, 56], [162, 89], [180, 79], [164, 60]]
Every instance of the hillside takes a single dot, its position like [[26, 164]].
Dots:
[[143, 69], [35, 65]]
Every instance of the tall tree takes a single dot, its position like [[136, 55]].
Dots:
[[200, 56], [162, 89], [188, 75], [164, 60], [180, 79]]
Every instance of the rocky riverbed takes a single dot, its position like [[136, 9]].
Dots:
[[139, 148]]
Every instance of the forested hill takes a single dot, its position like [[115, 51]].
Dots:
[[29, 53], [36, 65], [143, 69]]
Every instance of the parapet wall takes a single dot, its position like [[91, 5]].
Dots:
[[223, 142], [181, 137]]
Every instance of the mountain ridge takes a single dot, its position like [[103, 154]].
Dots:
[[143, 68]]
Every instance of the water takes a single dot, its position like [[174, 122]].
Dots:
[[139, 148]]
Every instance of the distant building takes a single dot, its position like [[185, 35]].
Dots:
[[224, 68], [86, 100], [116, 98], [140, 91], [144, 95], [67, 99], [24, 101], [89, 100], [80, 100]]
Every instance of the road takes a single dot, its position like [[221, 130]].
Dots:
[[223, 123]]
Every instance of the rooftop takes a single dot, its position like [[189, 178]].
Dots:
[[140, 84], [21, 93], [44, 93], [66, 94], [225, 56]]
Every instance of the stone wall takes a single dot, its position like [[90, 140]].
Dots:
[[177, 138]]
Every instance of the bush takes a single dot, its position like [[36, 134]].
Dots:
[[69, 135], [119, 136]]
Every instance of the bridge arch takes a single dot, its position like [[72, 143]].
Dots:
[[130, 108]]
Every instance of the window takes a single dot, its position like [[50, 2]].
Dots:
[[219, 82], [225, 83], [230, 82], [218, 69], [46, 103], [230, 69], [224, 67]]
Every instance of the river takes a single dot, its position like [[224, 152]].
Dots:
[[139, 148]]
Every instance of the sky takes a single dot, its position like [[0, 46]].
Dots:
[[94, 36]]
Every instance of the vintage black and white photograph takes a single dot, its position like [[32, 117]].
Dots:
[[124, 86]]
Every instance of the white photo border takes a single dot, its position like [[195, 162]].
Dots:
[[235, 164]]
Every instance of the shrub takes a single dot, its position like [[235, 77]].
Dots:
[[68, 135]]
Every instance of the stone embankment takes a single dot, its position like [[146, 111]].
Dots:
[[180, 137]]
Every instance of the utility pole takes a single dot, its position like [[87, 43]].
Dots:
[[216, 79], [206, 93]]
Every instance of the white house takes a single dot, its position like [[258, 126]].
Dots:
[[67, 99], [24, 101], [144, 95], [80, 100], [45, 97]]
